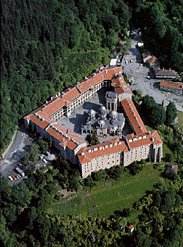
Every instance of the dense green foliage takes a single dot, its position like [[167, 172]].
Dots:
[[154, 113], [161, 221], [49, 45], [46, 46], [162, 30], [171, 113], [24, 220]]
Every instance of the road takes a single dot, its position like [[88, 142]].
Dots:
[[146, 86], [15, 153]]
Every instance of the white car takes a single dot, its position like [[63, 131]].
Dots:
[[10, 178], [41, 156], [44, 160]]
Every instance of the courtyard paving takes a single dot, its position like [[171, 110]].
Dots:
[[79, 115]]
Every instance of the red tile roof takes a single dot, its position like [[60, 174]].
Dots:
[[68, 96], [109, 147], [59, 135], [96, 78], [65, 136], [139, 141], [68, 133], [55, 134], [132, 141], [71, 140], [56, 104], [133, 116], [40, 122], [156, 137], [120, 85], [51, 107], [171, 85], [71, 94], [90, 82]]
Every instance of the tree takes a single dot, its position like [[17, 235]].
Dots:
[[171, 113], [157, 199], [6, 238], [168, 157], [94, 138], [32, 156], [75, 183], [43, 145], [98, 176], [89, 182], [43, 228], [21, 195], [154, 112], [177, 146]]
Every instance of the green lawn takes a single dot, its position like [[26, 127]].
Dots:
[[180, 119], [104, 199], [167, 150]]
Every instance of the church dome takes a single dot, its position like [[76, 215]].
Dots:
[[113, 114]]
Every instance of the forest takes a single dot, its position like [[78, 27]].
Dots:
[[26, 222], [48, 45]]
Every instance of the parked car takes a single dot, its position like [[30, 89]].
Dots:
[[14, 177], [10, 178], [41, 156], [20, 171], [44, 160]]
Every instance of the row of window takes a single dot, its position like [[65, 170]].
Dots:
[[77, 102], [58, 114], [101, 164], [135, 154]]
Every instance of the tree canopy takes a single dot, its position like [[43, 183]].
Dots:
[[50, 45]]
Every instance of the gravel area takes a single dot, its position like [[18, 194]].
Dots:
[[147, 86]]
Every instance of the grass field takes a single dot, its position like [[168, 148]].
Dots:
[[104, 199], [166, 150], [180, 119]]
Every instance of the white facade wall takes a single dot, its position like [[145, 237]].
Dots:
[[100, 163], [136, 154], [83, 98], [78, 101], [157, 153], [57, 115], [125, 158]]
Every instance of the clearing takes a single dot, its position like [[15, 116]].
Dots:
[[180, 119], [106, 197]]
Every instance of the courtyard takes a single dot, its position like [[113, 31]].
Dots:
[[79, 116]]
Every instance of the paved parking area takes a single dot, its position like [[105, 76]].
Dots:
[[14, 154], [144, 85]]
